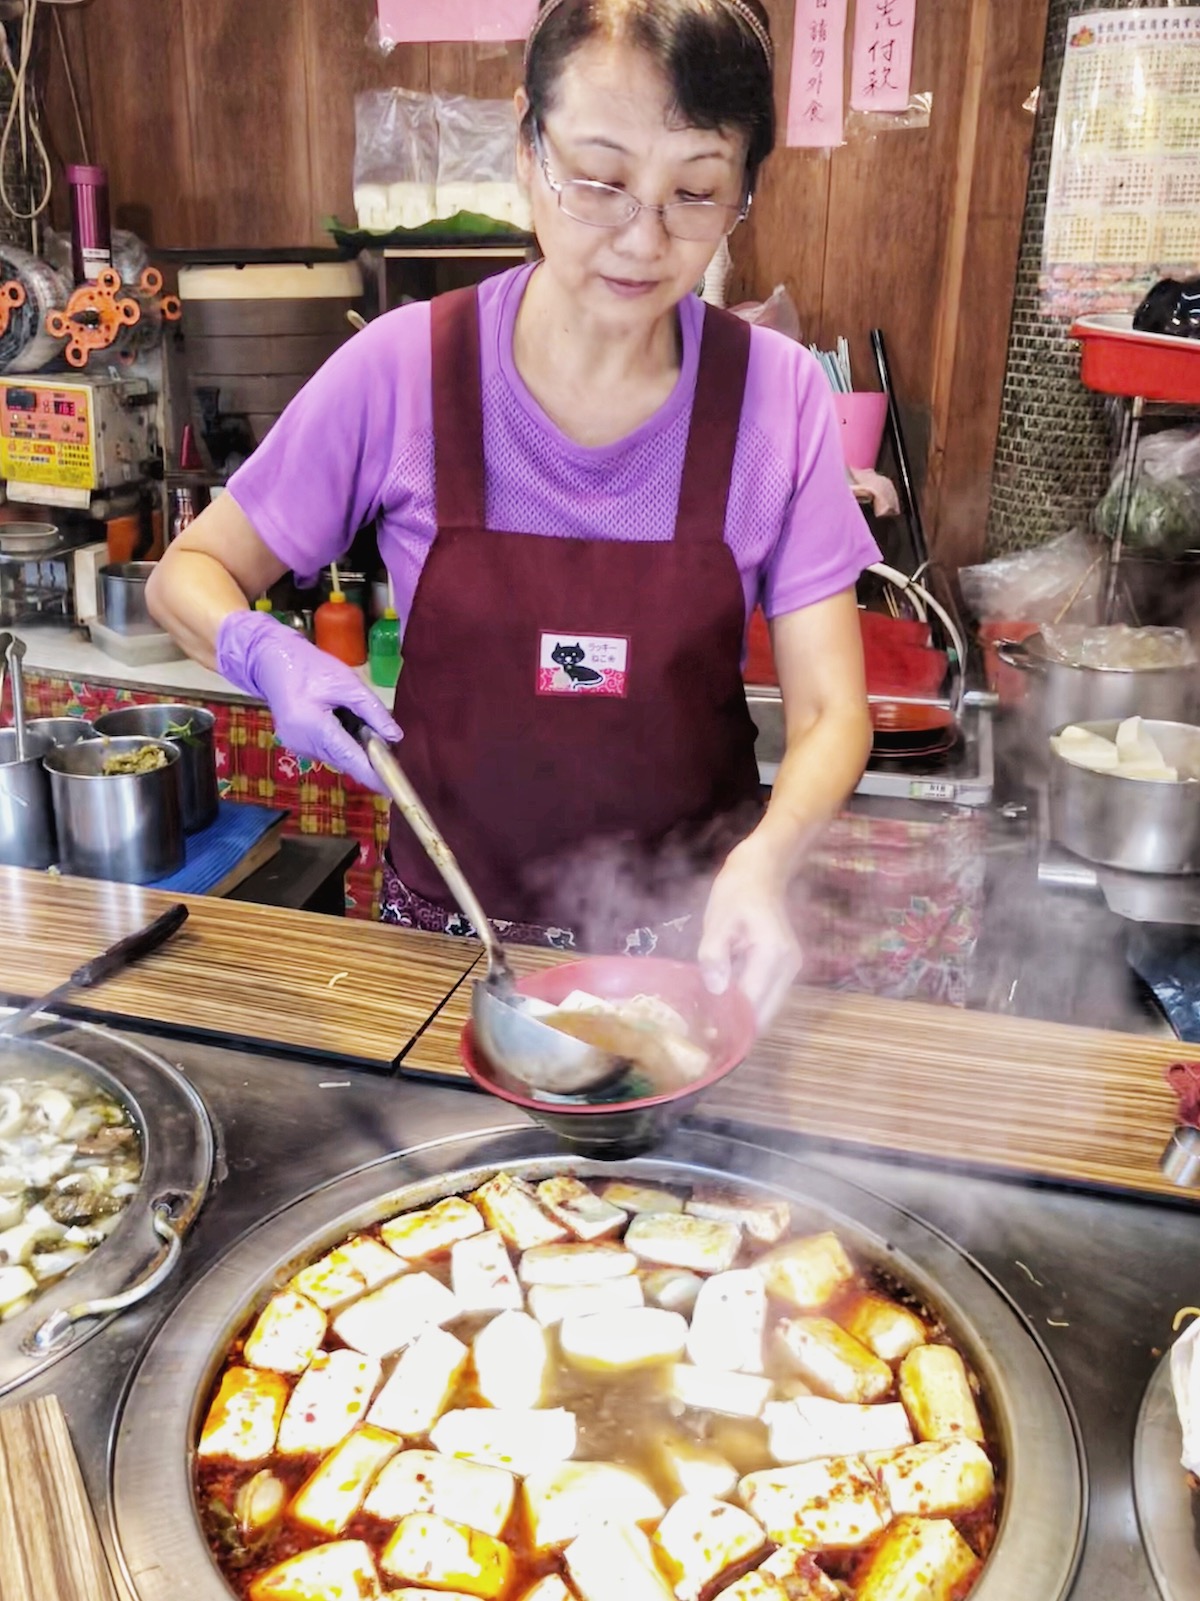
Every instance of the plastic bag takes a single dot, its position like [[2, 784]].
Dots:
[[477, 161], [1164, 503], [395, 159], [1044, 585], [1117, 645], [777, 311]]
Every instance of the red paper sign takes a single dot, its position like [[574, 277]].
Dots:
[[425, 21], [881, 66], [816, 107]]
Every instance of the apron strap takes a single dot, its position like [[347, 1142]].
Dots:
[[716, 419], [457, 411]]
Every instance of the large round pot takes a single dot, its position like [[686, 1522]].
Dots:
[[161, 1543], [190, 730], [1061, 693], [26, 810], [123, 597], [61, 730], [1131, 823], [125, 826]]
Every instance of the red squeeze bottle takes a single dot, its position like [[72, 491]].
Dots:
[[339, 628]]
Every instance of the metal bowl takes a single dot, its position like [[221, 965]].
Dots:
[[28, 539], [124, 826]]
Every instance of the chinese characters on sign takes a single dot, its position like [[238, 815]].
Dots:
[[881, 66], [816, 107], [424, 21]]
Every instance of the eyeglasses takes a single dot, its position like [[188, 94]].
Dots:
[[603, 205]]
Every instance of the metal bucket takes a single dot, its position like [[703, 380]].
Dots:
[[1061, 693], [1132, 823], [123, 597], [62, 730], [197, 758], [124, 826], [26, 810]]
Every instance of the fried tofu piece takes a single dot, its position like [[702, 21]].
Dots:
[[576, 1263], [936, 1390], [807, 1273], [832, 1505], [640, 1197], [346, 1272], [728, 1323], [329, 1400], [343, 1570], [940, 1479], [810, 1427], [798, 1573], [691, 1468], [470, 1493], [833, 1362], [428, 1550], [675, 1240], [560, 1504], [287, 1336], [733, 1395], [885, 1327], [701, 1540], [331, 1496], [512, 1361], [391, 1317], [421, 1385], [579, 1209], [620, 1342], [243, 1421], [523, 1441], [763, 1221], [482, 1276], [551, 1303], [609, 1561], [511, 1206], [432, 1230], [919, 1559]]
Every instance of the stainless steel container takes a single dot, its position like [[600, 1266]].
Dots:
[[62, 730], [1131, 823], [125, 826], [1062, 694], [190, 730], [123, 597], [26, 810]]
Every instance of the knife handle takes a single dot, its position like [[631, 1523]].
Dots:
[[130, 949]]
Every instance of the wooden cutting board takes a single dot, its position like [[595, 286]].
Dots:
[[49, 1545]]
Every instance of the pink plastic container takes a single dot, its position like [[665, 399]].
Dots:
[[862, 416]]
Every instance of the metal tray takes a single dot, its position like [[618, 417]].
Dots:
[[1160, 1492]]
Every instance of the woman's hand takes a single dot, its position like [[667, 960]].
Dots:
[[748, 937]]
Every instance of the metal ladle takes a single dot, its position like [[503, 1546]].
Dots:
[[511, 1036], [14, 651]]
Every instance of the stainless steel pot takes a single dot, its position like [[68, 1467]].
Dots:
[[125, 826], [1062, 694], [62, 730], [123, 597], [26, 810], [1131, 823], [197, 757]]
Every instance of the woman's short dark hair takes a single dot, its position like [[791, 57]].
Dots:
[[718, 71]]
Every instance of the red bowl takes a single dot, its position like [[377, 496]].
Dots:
[[615, 1130]]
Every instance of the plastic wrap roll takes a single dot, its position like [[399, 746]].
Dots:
[[25, 346]]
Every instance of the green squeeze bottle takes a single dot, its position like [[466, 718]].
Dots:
[[383, 645]]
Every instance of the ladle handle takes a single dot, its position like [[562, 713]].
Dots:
[[16, 653], [409, 804]]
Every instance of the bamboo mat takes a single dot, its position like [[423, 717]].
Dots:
[[1082, 1105], [49, 1547], [285, 979]]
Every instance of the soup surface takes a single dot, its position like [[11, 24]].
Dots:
[[594, 1391]]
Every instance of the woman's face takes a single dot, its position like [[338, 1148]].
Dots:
[[612, 122]]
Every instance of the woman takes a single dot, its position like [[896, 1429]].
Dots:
[[583, 482]]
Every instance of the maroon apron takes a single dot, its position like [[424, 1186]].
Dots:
[[573, 709]]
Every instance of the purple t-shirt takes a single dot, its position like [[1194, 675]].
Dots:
[[357, 443]]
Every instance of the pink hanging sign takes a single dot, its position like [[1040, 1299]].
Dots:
[[816, 105], [881, 66], [427, 21]]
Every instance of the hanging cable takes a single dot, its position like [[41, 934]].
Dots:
[[22, 111], [60, 36]]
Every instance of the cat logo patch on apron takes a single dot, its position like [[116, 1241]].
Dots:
[[583, 664]]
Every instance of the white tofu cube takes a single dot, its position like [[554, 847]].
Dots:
[[512, 1361], [391, 1317], [432, 1230], [331, 1496], [551, 1303], [733, 1395], [287, 1336], [640, 1197], [429, 1550], [833, 1362], [461, 1492], [343, 1570], [763, 1221], [525, 1442], [671, 1240], [889, 1330], [511, 1206], [701, 1540], [482, 1276], [810, 1427], [693, 1469], [619, 1342], [832, 1505], [576, 1264], [561, 1504], [16, 1282], [728, 1323], [329, 1400], [360, 1264], [919, 1558], [421, 1385], [945, 1478], [609, 1562], [581, 1210], [807, 1273], [935, 1388], [672, 1288], [243, 1420]]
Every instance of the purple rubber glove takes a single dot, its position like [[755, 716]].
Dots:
[[302, 686]]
